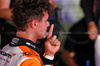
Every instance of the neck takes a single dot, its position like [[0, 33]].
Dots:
[[27, 35]]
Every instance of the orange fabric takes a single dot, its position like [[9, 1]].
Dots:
[[52, 65], [31, 62], [30, 53]]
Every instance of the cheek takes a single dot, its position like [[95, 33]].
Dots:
[[42, 28]]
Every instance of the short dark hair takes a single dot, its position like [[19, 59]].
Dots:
[[24, 11]]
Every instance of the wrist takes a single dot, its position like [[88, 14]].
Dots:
[[48, 56]]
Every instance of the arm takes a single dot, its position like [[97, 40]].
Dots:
[[68, 59], [87, 6], [5, 12]]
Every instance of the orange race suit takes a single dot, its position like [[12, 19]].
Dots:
[[22, 52]]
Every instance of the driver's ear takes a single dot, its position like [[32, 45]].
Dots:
[[33, 24]]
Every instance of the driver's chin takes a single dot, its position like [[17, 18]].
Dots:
[[42, 36]]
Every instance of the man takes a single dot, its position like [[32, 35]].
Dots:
[[30, 18], [75, 43], [90, 19], [94, 32]]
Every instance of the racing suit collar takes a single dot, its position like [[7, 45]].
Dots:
[[19, 41]]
